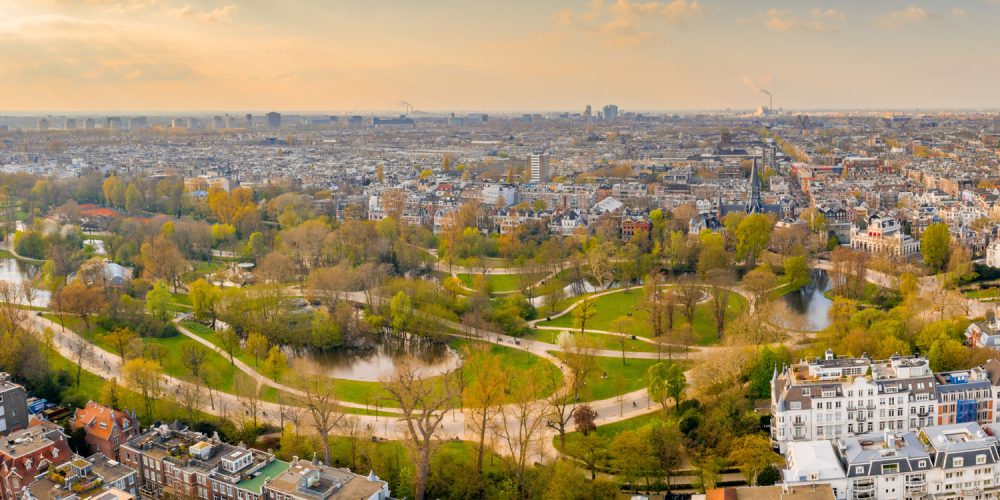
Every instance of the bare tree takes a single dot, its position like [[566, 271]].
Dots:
[[83, 352], [189, 396], [483, 395], [719, 278], [322, 405], [688, 294], [560, 406], [248, 393], [522, 422], [423, 404], [357, 435]]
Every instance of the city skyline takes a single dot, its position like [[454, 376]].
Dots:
[[170, 56]]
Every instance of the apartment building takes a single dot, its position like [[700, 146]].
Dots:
[[304, 480], [26, 454], [837, 397], [13, 405], [95, 477], [957, 461], [176, 462]]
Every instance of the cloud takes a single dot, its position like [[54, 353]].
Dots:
[[900, 18], [959, 12], [830, 14], [628, 22], [222, 14], [783, 20]]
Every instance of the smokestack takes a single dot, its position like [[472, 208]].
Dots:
[[770, 102]]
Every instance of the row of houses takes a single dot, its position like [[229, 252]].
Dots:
[[164, 461]]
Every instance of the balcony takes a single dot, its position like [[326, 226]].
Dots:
[[864, 488], [798, 423], [916, 482]]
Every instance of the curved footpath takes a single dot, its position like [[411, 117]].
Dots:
[[107, 365]]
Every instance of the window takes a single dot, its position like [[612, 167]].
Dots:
[[980, 459], [958, 462], [859, 470]]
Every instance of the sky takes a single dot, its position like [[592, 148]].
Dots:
[[512, 55]]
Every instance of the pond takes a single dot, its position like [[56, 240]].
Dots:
[[432, 358], [19, 272], [806, 309]]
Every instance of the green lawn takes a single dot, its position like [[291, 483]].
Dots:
[[201, 268], [988, 293], [600, 341], [610, 307], [609, 431], [610, 377], [501, 282], [171, 363], [7, 254], [370, 393]]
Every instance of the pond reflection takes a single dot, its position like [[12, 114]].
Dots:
[[806, 309], [432, 358]]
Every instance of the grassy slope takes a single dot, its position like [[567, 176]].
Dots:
[[610, 307]]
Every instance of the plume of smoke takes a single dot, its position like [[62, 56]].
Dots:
[[749, 82], [406, 105]]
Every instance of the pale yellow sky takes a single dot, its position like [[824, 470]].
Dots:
[[354, 55]]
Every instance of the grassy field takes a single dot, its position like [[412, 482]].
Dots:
[[171, 346], [609, 431], [600, 341], [610, 307], [7, 254], [370, 393], [988, 293], [201, 268], [610, 377], [501, 282]]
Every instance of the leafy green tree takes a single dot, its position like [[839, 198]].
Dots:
[[796, 272], [258, 346], [752, 454], [631, 456], [325, 330], [666, 444], [401, 311], [275, 362], [204, 299], [133, 200], [158, 300], [760, 372], [752, 235], [934, 245], [666, 381]]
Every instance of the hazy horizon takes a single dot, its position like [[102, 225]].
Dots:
[[181, 56]]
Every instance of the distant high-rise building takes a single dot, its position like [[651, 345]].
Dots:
[[274, 120], [89, 124], [538, 164], [113, 122], [355, 121], [136, 122], [610, 112], [178, 123], [43, 124], [230, 121], [249, 123], [588, 112], [217, 122], [70, 124]]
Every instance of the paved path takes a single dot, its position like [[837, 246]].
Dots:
[[107, 365]]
